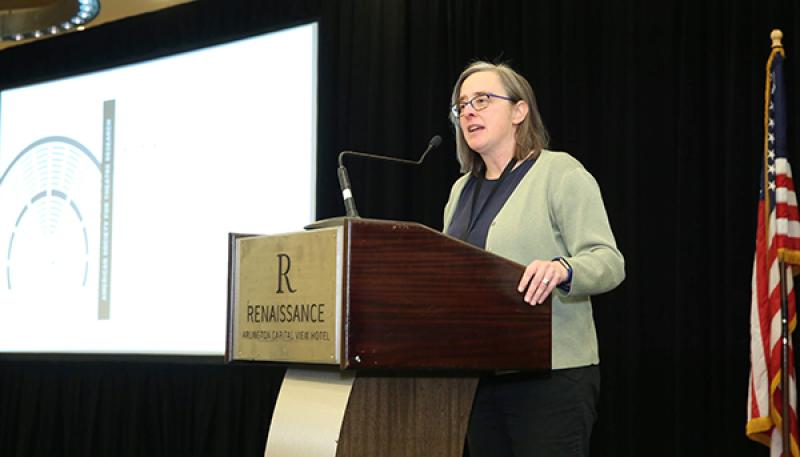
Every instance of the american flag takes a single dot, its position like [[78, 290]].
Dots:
[[777, 238]]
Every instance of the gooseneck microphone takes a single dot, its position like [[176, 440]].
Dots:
[[344, 180]]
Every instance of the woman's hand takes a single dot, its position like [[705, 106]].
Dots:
[[539, 280]]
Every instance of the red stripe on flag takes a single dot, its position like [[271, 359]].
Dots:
[[784, 180]]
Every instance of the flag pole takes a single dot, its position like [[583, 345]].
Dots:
[[776, 36], [786, 436]]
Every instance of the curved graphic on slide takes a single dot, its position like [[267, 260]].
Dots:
[[50, 194]]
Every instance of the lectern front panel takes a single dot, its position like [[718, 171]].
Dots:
[[417, 299]]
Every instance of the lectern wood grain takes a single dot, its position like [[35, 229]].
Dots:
[[416, 299], [400, 416]]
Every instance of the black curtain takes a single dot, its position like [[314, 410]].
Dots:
[[115, 408], [661, 101]]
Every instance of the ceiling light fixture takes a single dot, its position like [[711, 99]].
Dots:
[[26, 19]]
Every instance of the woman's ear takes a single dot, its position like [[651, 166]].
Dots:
[[519, 112]]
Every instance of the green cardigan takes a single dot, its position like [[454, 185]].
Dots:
[[557, 210]]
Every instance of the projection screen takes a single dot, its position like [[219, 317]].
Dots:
[[118, 189]]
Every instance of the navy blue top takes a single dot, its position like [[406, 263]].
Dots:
[[484, 211]]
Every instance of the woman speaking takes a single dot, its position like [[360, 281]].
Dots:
[[542, 209]]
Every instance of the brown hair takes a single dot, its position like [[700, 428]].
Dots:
[[531, 134]]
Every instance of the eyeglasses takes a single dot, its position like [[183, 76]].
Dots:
[[478, 103]]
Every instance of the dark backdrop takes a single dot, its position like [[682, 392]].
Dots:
[[661, 101]]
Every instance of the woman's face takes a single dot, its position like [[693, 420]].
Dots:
[[490, 130]]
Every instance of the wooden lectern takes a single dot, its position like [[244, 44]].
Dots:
[[400, 317]]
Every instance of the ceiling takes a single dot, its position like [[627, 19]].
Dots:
[[110, 10]]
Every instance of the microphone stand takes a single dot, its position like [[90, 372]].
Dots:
[[344, 183]]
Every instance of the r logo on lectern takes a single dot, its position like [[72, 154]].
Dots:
[[283, 273]]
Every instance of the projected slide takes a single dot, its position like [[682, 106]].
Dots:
[[118, 189]]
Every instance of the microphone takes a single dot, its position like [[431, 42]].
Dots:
[[344, 180]]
